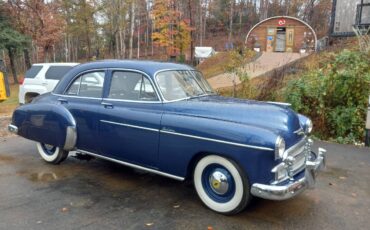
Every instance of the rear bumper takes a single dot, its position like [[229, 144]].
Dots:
[[293, 187], [13, 129]]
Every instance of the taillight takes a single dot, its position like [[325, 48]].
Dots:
[[21, 81]]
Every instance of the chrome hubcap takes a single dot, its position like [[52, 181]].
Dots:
[[218, 182]]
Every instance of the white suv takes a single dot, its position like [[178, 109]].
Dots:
[[41, 78]]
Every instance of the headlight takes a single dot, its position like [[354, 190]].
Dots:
[[308, 126], [279, 147]]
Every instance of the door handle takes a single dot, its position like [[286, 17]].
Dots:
[[62, 101], [107, 105]]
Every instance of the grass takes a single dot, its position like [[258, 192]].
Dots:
[[214, 65], [7, 107]]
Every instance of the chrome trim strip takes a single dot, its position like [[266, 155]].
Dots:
[[133, 165], [217, 141], [131, 101], [131, 126], [71, 96], [71, 138], [187, 135]]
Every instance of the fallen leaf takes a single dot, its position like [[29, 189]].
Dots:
[[342, 177], [210, 228], [149, 224], [64, 209], [331, 184], [354, 194], [39, 222], [176, 206]]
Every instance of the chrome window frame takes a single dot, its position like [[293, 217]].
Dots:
[[79, 75], [159, 98]]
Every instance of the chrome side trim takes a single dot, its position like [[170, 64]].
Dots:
[[187, 135], [71, 96], [131, 126], [217, 141], [132, 101], [13, 129], [71, 138], [132, 165]]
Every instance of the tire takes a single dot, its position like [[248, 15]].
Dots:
[[221, 185], [51, 154]]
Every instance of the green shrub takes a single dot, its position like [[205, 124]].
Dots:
[[335, 96]]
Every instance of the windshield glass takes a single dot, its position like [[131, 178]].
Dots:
[[182, 84]]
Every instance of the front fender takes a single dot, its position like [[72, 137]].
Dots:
[[46, 123]]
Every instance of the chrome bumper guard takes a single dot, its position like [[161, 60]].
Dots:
[[13, 129], [293, 188]]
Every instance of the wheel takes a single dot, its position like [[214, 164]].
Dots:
[[221, 185], [51, 154]]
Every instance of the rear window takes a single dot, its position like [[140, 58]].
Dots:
[[31, 73], [57, 72]]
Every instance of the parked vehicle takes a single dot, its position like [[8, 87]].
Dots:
[[165, 118], [40, 79]]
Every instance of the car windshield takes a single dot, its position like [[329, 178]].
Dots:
[[182, 84]]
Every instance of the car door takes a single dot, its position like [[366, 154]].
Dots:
[[130, 116], [83, 99]]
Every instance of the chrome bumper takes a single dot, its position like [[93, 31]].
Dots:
[[13, 129], [293, 188]]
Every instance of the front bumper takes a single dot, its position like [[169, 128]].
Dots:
[[293, 187]]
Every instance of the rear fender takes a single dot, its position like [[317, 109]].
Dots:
[[46, 123]]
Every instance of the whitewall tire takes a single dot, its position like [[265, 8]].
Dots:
[[221, 184], [51, 154]]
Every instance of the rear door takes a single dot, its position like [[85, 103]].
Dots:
[[83, 99]]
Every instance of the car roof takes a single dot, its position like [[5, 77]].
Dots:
[[148, 67], [56, 64]]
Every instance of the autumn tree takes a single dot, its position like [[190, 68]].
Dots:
[[40, 20], [172, 31], [11, 40]]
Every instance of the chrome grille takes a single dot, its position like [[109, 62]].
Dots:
[[299, 152]]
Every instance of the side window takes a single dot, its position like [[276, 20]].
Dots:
[[31, 73], [57, 72], [88, 85], [131, 86]]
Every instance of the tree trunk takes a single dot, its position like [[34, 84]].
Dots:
[[191, 32], [27, 60], [132, 22], [12, 65], [138, 41], [231, 21]]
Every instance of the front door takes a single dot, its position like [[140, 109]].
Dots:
[[83, 99], [280, 40], [130, 117]]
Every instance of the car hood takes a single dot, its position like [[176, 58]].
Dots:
[[280, 119]]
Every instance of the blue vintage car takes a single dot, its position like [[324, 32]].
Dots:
[[165, 118]]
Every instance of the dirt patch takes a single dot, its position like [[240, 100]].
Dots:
[[6, 159], [4, 122]]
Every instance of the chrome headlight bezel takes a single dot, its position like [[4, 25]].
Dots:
[[308, 126], [279, 148]]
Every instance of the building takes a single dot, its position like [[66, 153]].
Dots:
[[282, 34], [346, 14]]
